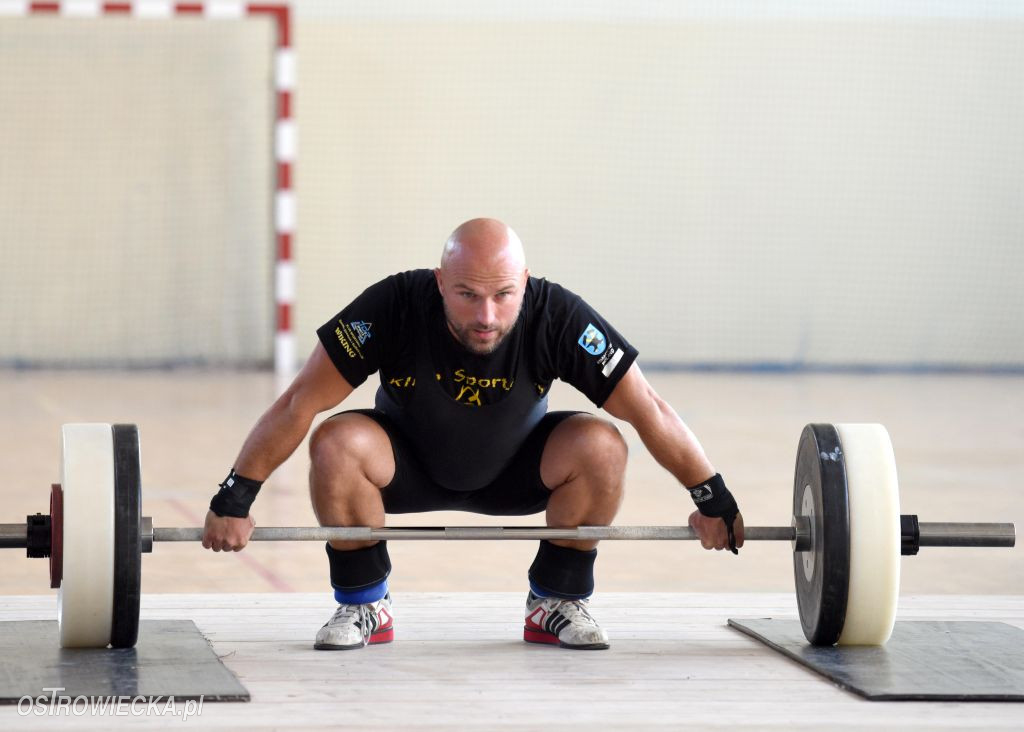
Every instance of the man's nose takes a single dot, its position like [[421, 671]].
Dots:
[[485, 314]]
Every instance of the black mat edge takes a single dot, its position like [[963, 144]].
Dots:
[[738, 625], [243, 696]]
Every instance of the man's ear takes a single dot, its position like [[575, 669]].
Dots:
[[437, 279]]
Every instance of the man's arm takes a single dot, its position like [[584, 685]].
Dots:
[[672, 444], [664, 434], [318, 386], [283, 426]]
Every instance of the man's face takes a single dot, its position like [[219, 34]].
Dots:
[[481, 307]]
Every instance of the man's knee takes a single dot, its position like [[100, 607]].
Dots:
[[602, 445], [592, 446], [349, 443]]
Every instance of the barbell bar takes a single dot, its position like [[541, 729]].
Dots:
[[932, 534], [847, 534]]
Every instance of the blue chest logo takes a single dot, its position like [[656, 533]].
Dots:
[[592, 340]]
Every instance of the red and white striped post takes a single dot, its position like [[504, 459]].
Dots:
[[284, 129], [284, 195]]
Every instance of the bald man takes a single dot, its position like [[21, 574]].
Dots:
[[466, 355]]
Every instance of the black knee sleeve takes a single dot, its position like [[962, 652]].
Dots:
[[359, 568], [563, 572]]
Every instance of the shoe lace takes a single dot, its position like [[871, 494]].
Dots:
[[362, 615], [576, 611]]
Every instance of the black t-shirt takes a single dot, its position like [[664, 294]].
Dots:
[[564, 339]]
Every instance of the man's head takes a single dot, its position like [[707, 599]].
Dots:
[[482, 279]]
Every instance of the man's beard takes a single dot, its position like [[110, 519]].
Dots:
[[464, 333]]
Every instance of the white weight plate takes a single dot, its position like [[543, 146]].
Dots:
[[85, 600], [874, 534]]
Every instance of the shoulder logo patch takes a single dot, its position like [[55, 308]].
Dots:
[[592, 340], [361, 329]]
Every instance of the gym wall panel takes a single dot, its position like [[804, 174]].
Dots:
[[136, 183], [740, 191]]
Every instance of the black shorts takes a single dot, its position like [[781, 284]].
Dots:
[[518, 491]]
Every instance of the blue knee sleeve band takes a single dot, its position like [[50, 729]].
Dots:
[[363, 596]]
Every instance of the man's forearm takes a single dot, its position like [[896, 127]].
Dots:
[[675, 447], [664, 434], [279, 431], [274, 438]]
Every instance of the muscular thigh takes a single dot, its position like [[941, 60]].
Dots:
[[354, 441], [578, 442]]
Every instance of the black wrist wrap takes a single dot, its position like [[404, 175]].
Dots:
[[714, 499], [235, 496]]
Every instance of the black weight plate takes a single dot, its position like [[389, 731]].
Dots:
[[56, 535], [822, 573], [124, 626]]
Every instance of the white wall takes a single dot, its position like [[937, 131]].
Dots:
[[795, 189], [730, 183]]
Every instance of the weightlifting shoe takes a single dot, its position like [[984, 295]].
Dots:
[[566, 623], [354, 626]]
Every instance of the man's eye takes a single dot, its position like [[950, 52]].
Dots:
[[467, 295]]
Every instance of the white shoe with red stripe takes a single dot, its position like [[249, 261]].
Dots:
[[355, 626], [561, 622]]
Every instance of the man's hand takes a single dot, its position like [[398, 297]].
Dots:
[[225, 533], [712, 531]]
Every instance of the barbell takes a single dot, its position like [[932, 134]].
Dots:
[[847, 534]]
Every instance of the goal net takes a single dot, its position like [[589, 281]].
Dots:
[[137, 185]]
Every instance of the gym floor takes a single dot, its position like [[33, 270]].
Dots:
[[956, 439], [458, 663]]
